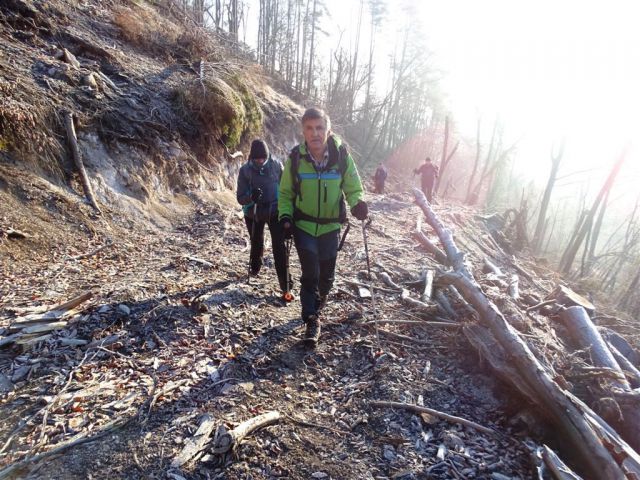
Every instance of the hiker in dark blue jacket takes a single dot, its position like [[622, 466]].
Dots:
[[257, 192]]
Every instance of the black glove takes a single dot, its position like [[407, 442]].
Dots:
[[287, 227], [256, 195], [360, 211]]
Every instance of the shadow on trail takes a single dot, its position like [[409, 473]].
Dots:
[[223, 354]]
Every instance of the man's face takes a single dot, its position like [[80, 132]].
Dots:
[[315, 133], [259, 161]]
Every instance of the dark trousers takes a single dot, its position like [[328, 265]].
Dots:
[[256, 234], [318, 264], [427, 189], [379, 186]]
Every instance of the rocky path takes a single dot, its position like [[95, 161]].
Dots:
[[169, 338]]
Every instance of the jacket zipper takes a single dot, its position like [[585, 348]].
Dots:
[[325, 192]]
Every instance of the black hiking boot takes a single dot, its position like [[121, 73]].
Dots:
[[312, 333]]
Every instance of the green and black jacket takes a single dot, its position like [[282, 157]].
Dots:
[[314, 198]]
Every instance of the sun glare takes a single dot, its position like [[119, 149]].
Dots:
[[548, 70]]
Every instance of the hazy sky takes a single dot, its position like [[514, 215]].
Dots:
[[549, 69]]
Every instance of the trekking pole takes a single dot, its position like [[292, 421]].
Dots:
[[365, 224], [287, 255], [253, 233]]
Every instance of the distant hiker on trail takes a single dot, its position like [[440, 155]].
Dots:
[[379, 178], [429, 173], [317, 177], [257, 192]]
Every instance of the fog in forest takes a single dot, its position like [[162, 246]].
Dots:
[[509, 88]]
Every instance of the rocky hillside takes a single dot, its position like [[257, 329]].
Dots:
[[160, 107]]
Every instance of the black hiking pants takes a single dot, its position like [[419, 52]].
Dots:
[[318, 264], [277, 243], [427, 189]]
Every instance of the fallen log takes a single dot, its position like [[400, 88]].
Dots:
[[602, 452], [435, 413], [556, 466], [364, 285], [584, 335], [629, 369], [428, 285], [568, 298], [444, 303], [417, 323], [405, 296], [429, 247], [227, 441], [490, 267]]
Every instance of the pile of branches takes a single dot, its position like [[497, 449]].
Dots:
[[526, 346]]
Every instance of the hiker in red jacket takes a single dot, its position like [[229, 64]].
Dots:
[[429, 173]]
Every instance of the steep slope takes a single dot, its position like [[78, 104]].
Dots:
[[159, 105]]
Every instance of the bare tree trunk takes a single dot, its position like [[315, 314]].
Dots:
[[234, 22], [538, 236], [551, 230], [312, 47], [475, 164], [575, 246], [595, 234]]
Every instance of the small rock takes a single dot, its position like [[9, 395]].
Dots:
[[389, 453], [123, 309], [90, 81], [319, 475], [20, 373], [70, 58], [499, 476], [5, 384], [104, 309], [452, 440]]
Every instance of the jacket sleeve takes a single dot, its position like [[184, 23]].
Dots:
[[286, 194], [243, 192], [351, 183]]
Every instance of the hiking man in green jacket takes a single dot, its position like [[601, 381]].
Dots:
[[317, 178]]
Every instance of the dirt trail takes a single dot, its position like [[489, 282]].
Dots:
[[220, 346]]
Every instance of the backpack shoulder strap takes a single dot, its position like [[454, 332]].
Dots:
[[342, 159], [294, 155]]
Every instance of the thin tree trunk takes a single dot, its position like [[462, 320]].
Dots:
[[475, 164], [312, 47], [538, 236], [575, 246]]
